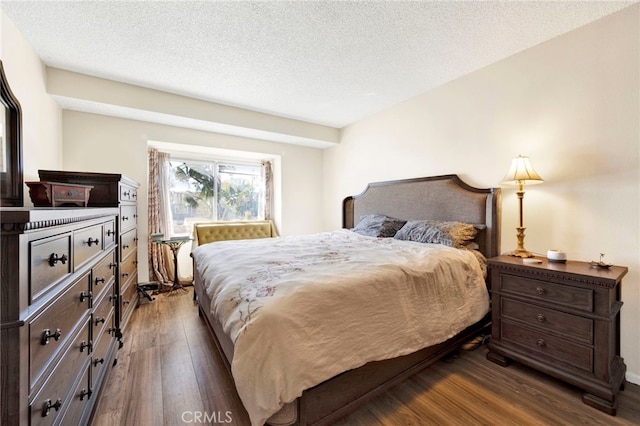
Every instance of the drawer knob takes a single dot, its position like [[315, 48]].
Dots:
[[540, 291], [541, 343], [110, 232], [112, 330], [127, 193], [541, 318], [86, 345], [99, 320], [91, 241], [98, 361], [46, 336], [84, 393], [125, 218], [125, 246], [112, 265], [46, 409], [99, 280], [84, 295], [54, 258]]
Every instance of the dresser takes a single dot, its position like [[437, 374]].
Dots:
[[113, 190], [562, 319], [58, 335]]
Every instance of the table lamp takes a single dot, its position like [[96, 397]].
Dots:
[[521, 173]]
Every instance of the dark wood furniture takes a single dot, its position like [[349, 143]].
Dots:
[[57, 335], [562, 319], [440, 198], [113, 190], [11, 173]]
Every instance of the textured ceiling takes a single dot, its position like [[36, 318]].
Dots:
[[325, 62]]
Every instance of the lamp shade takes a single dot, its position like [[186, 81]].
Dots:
[[521, 173]]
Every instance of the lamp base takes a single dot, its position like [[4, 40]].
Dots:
[[520, 253]]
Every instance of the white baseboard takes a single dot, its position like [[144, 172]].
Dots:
[[633, 378]]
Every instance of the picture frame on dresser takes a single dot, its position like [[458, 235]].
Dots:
[[11, 173], [563, 319]]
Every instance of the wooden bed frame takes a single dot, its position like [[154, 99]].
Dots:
[[440, 198]]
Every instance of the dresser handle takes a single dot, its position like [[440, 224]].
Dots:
[[125, 246], [91, 241], [84, 393], [125, 274], [54, 258], [541, 318], [46, 409], [99, 280], [127, 193], [98, 361], [125, 218], [111, 330], [112, 265], [540, 291], [84, 345], [99, 320], [126, 302], [541, 343], [46, 335], [84, 295], [110, 232]]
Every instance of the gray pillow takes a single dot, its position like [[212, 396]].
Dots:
[[452, 234], [378, 225]]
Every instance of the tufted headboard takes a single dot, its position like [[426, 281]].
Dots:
[[445, 198], [208, 232]]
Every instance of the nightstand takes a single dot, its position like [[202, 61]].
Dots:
[[562, 319]]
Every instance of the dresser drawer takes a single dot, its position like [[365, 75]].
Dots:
[[101, 348], [128, 270], [128, 301], [55, 391], [80, 399], [49, 331], [102, 314], [109, 233], [103, 274], [558, 294], [87, 243], [49, 262], [539, 343], [128, 193], [128, 243], [563, 324], [128, 217]]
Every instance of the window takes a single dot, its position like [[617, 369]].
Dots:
[[203, 190]]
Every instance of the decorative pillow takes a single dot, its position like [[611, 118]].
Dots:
[[453, 234], [378, 225]]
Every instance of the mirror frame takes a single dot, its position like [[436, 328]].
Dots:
[[11, 181]]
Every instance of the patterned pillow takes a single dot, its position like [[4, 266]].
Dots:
[[378, 225], [452, 234]]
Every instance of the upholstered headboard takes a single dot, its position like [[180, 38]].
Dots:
[[437, 198], [208, 232]]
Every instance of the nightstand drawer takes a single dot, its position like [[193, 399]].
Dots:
[[542, 344], [561, 323], [558, 294]]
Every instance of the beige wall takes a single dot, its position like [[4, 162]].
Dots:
[[41, 116], [571, 105]]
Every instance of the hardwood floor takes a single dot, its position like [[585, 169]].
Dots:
[[169, 373]]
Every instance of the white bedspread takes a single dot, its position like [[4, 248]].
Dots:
[[303, 309]]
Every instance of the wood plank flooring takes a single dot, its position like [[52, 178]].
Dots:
[[169, 373]]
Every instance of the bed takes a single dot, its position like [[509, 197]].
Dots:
[[332, 388]]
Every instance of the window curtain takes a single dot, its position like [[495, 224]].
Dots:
[[267, 172], [159, 216]]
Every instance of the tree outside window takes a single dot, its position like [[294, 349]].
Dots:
[[214, 190]]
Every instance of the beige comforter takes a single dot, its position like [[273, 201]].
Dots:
[[303, 309]]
